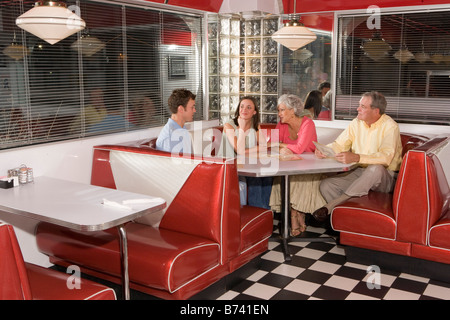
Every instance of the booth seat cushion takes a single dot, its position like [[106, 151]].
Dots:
[[47, 284], [157, 257], [439, 234], [255, 226], [25, 281], [370, 215]]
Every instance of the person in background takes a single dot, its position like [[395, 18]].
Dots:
[[326, 101], [296, 135], [372, 140], [313, 103], [324, 87], [113, 121], [242, 136], [174, 137], [94, 112], [327, 94], [143, 111]]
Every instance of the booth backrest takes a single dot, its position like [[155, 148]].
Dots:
[[202, 194], [411, 141], [421, 191], [14, 283], [208, 140]]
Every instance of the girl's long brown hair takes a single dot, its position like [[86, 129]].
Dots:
[[255, 117]]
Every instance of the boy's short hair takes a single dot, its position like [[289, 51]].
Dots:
[[179, 97]]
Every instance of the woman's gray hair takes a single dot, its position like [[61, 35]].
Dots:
[[291, 101]]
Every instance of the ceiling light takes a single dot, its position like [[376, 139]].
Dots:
[[437, 58], [16, 51], [250, 7], [88, 45], [302, 55], [294, 34], [403, 55], [376, 48], [422, 57], [50, 21]]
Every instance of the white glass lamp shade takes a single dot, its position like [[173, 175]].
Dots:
[[16, 51], [302, 55], [422, 57], [50, 21], [376, 49], [403, 55], [437, 58], [294, 37], [88, 45]]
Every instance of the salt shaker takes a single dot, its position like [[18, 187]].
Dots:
[[23, 172], [30, 177]]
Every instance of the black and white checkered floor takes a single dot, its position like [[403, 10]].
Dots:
[[319, 271]]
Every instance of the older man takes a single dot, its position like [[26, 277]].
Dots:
[[373, 141]]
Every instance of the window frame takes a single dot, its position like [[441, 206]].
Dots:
[[354, 99], [197, 53]]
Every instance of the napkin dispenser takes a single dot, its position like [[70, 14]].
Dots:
[[6, 183]]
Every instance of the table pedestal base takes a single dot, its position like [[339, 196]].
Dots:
[[284, 239], [302, 238]]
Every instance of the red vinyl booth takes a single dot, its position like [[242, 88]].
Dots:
[[25, 281], [414, 221], [203, 234]]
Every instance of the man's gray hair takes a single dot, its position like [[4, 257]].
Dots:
[[378, 100]]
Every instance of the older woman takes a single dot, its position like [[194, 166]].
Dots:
[[296, 135]]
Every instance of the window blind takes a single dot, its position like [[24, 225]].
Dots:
[[114, 76], [404, 55]]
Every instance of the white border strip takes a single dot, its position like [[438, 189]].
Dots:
[[193, 279]]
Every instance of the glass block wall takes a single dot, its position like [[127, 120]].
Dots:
[[243, 60]]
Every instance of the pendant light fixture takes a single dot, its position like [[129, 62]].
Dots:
[[403, 54], [422, 56], [294, 34], [51, 21], [16, 51], [376, 48], [88, 45], [302, 55]]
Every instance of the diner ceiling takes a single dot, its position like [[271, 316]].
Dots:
[[304, 6], [288, 5], [321, 21]]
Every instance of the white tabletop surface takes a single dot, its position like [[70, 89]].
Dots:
[[272, 166], [76, 205]]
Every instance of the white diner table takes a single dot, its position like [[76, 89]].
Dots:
[[272, 166], [81, 207]]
